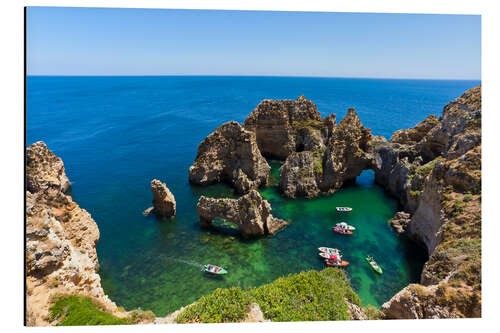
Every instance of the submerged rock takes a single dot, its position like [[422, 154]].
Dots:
[[230, 154], [250, 213], [163, 200]]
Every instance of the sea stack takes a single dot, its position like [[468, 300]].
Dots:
[[163, 200]]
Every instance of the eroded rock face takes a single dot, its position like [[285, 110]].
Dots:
[[250, 213], [348, 152], [298, 176], [400, 221], [324, 169], [44, 169], [285, 126], [415, 134], [230, 154], [60, 239], [445, 184], [163, 200]]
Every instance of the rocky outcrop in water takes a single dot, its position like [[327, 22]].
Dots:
[[60, 239], [441, 171], [400, 221], [285, 126], [163, 200], [230, 154], [250, 213], [324, 169]]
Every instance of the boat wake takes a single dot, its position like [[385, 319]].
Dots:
[[183, 261]]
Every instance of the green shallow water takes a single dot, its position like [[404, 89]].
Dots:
[[167, 275]]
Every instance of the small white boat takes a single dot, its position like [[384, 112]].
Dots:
[[328, 250], [344, 209], [335, 256], [344, 225]]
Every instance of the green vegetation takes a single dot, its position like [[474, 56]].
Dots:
[[458, 207], [311, 124], [426, 169], [318, 161], [415, 193], [221, 306], [307, 296], [77, 310], [140, 316], [372, 313]]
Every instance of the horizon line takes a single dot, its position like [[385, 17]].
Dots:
[[236, 75]]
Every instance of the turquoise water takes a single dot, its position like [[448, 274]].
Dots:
[[115, 134]]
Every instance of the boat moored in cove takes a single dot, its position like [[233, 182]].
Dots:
[[336, 263], [342, 231], [373, 264], [212, 269], [328, 250], [344, 225], [343, 209]]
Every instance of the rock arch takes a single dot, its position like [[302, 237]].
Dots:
[[251, 213]]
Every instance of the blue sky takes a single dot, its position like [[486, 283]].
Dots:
[[112, 41]]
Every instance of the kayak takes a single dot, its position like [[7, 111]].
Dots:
[[374, 265], [328, 250], [342, 231], [329, 255], [212, 269], [344, 225], [341, 263], [344, 209]]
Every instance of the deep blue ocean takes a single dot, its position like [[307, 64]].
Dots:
[[115, 134]]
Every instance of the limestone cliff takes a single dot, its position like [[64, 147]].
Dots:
[[442, 171], [250, 213], [230, 154], [60, 239]]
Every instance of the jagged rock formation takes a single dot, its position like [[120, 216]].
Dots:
[[347, 153], [163, 200], [60, 239], [438, 179], [285, 126], [250, 213], [400, 221], [299, 176], [44, 169], [230, 154]]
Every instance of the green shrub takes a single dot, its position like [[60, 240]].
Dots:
[[77, 310], [372, 313], [415, 193], [426, 169], [221, 306], [458, 207], [141, 316], [467, 197], [306, 296]]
